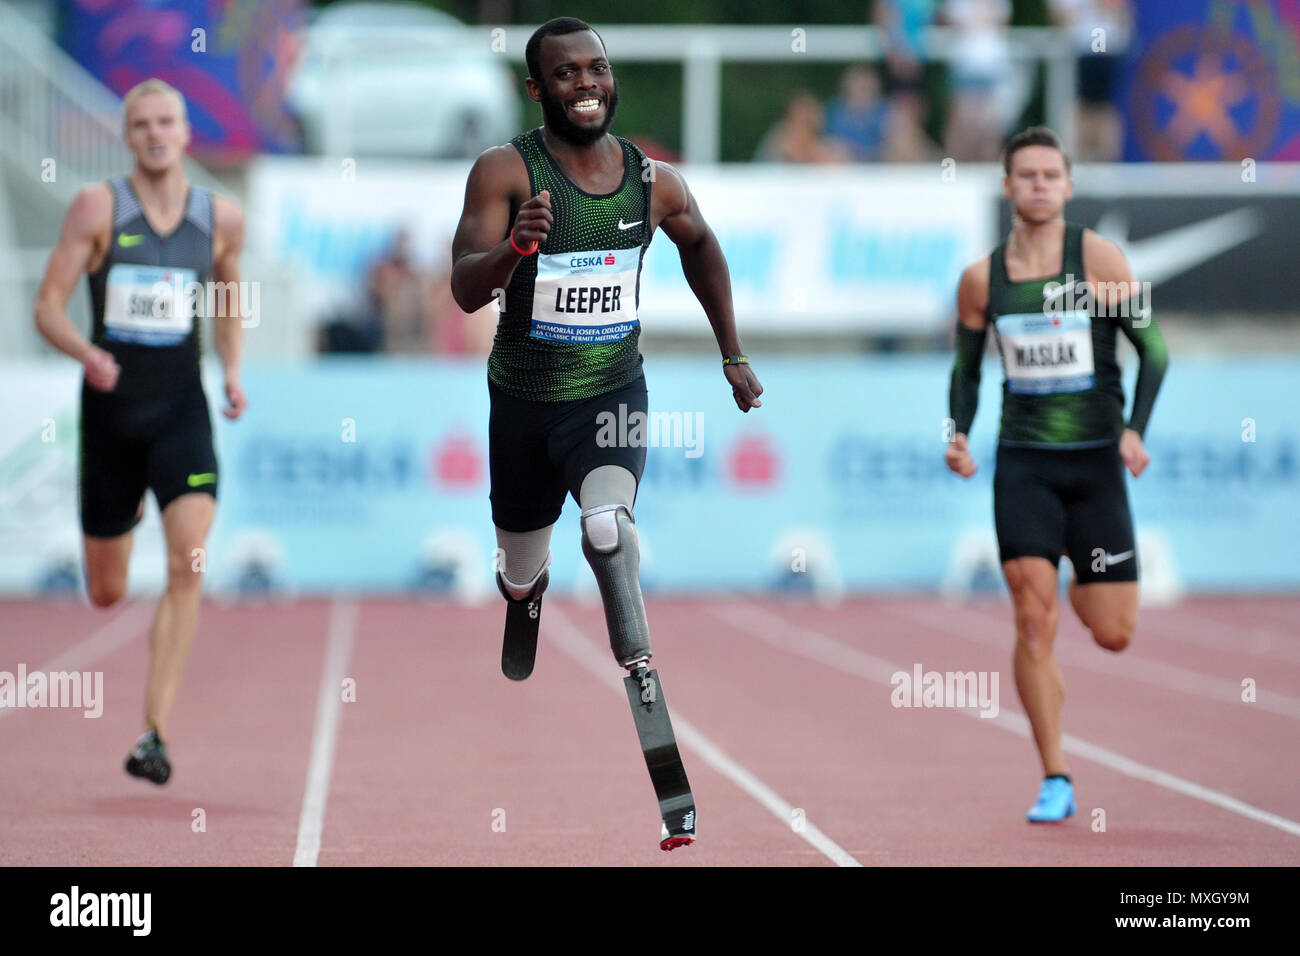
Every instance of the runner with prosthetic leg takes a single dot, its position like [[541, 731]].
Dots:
[[555, 227]]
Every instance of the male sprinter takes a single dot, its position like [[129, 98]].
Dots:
[[1063, 446], [145, 240], [558, 221]]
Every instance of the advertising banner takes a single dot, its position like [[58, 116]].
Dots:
[[359, 475]]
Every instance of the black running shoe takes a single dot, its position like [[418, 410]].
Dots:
[[149, 759]]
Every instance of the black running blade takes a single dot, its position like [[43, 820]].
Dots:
[[662, 758], [519, 649]]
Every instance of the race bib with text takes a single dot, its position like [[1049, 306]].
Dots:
[[585, 297], [1047, 354], [149, 305]]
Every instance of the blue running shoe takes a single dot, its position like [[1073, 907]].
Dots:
[[1055, 801]]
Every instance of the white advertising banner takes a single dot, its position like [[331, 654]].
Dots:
[[844, 249]]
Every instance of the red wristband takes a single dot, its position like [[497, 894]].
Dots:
[[522, 252]]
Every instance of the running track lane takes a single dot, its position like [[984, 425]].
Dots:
[[239, 742], [977, 785], [784, 689], [443, 761]]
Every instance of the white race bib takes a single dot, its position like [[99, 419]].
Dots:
[[149, 305], [585, 297], [1047, 354]]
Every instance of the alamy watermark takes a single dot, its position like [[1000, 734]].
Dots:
[[132, 911], [651, 430], [204, 298], [955, 689], [1126, 300], [74, 689]]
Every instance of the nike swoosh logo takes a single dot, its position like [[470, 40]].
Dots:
[[629, 225], [1175, 251], [1117, 558], [126, 242], [206, 478]]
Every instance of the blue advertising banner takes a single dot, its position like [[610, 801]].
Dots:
[[1214, 80], [229, 58], [372, 475]]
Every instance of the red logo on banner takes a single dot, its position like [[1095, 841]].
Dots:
[[753, 462], [457, 461], [609, 259]]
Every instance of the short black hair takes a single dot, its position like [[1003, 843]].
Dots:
[[1033, 136], [552, 28]]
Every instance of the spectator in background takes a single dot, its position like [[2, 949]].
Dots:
[[903, 23], [452, 330], [905, 138], [398, 295], [798, 137], [1100, 31], [980, 73], [856, 118]]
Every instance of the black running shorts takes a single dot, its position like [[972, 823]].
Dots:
[[540, 451], [1046, 501], [132, 443]]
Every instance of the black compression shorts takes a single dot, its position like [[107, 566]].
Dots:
[[1046, 501], [539, 451], [132, 443]]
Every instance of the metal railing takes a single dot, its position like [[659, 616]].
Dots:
[[703, 49], [60, 128], [58, 124]]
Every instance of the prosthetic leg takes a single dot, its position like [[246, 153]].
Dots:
[[523, 618], [610, 545]]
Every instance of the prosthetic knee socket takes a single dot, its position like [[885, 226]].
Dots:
[[610, 545], [525, 592]]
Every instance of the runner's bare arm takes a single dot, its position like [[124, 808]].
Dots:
[[964, 387], [1120, 295], [228, 328], [705, 268], [84, 238], [482, 255]]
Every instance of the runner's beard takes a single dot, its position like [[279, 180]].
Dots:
[[557, 119]]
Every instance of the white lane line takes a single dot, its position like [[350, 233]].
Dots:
[[1186, 626], [819, 647], [325, 733], [1127, 665], [121, 630], [600, 663]]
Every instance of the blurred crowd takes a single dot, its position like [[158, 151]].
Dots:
[[406, 308], [882, 113]]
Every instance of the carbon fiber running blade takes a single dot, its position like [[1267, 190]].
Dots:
[[654, 728], [519, 648]]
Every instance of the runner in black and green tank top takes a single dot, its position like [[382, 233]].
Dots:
[[558, 222], [1062, 385], [1059, 486], [569, 327]]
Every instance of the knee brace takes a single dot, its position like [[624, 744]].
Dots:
[[610, 546]]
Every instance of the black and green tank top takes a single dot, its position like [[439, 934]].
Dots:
[[1061, 385], [568, 328], [147, 295]]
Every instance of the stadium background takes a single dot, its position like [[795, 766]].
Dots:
[[367, 471]]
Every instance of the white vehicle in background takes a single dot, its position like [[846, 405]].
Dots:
[[395, 79]]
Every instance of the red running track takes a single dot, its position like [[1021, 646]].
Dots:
[[795, 752]]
